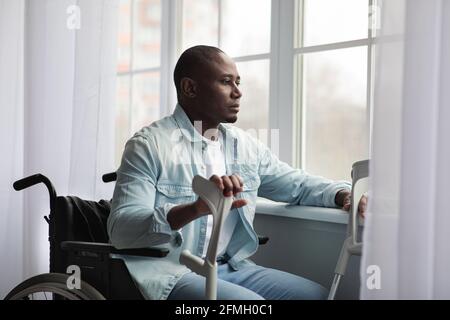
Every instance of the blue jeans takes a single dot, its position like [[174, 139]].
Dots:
[[249, 283]]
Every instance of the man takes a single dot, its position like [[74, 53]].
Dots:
[[153, 202]]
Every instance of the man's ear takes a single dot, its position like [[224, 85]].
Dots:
[[188, 87]]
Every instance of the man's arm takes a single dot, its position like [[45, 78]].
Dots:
[[181, 215], [134, 220], [280, 182]]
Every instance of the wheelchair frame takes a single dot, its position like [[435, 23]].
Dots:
[[98, 268], [94, 259]]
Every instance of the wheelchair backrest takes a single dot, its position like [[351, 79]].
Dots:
[[75, 219]]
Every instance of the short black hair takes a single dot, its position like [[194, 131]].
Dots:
[[191, 60]]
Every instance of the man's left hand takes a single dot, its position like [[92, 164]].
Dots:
[[343, 199]]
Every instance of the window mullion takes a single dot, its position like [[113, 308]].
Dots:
[[170, 35], [281, 111], [298, 83], [219, 23], [333, 46], [254, 57], [130, 78], [138, 71], [274, 62], [370, 68]]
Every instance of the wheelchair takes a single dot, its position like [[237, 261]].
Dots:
[[78, 237]]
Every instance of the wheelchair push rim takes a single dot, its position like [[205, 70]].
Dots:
[[55, 284]]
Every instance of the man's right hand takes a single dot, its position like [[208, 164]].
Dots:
[[182, 214], [230, 185]]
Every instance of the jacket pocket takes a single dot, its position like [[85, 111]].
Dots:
[[176, 194], [249, 175]]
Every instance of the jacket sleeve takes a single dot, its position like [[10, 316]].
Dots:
[[134, 220], [280, 182]]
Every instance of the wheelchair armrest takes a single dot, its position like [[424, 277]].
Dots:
[[262, 239], [107, 248]]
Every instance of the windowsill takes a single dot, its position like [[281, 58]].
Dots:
[[332, 215]]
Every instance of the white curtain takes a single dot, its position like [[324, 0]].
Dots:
[[62, 125], [407, 227], [11, 141]]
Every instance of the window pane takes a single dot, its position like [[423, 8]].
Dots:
[[122, 130], [145, 107], [254, 109], [243, 30], [328, 21], [146, 34], [124, 36], [336, 133], [200, 23]]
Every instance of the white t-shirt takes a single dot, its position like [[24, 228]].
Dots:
[[214, 161]]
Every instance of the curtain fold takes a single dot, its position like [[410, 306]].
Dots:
[[66, 127], [406, 230], [11, 137]]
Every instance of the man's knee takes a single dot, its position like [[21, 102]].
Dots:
[[313, 291], [275, 284], [192, 287], [300, 288], [229, 291]]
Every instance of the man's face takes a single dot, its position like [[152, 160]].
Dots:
[[218, 94]]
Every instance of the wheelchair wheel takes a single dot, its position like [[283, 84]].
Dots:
[[50, 286]]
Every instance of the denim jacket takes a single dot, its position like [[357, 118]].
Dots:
[[156, 172]]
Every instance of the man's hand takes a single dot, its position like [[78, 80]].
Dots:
[[182, 214], [230, 185], [343, 200]]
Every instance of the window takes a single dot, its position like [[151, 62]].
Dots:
[[247, 41], [332, 66], [138, 68], [305, 67]]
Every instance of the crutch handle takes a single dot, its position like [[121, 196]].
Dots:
[[219, 206]]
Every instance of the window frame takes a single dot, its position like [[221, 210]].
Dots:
[[286, 105]]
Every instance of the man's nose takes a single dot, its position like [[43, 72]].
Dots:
[[236, 92]]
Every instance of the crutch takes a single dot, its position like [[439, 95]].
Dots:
[[219, 206], [351, 246]]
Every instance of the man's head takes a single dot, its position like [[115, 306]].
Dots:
[[207, 83]]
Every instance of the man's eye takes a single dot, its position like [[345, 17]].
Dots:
[[228, 81]]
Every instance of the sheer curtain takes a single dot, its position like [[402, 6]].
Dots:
[[11, 141], [407, 226], [61, 124]]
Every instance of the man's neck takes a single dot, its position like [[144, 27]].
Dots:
[[206, 128]]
